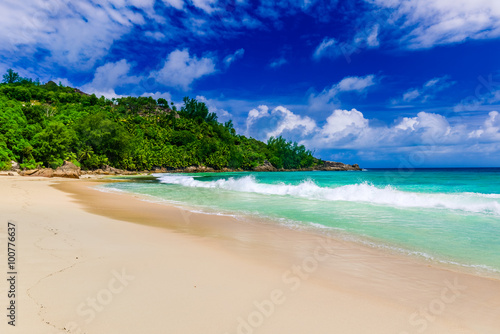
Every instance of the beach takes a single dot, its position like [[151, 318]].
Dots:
[[105, 262]]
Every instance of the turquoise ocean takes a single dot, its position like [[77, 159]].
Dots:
[[450, 216]]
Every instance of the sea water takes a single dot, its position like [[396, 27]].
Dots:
[[446, 215]]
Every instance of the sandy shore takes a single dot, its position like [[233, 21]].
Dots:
[[93, 262]]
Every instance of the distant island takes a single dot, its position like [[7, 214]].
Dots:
[[50, 125]]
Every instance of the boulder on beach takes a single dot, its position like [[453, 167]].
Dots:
[[68, 169]]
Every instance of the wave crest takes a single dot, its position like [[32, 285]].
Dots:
[[360, 192]]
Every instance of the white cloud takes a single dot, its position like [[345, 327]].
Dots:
[[228, 60], [213, 106], [349, 129], [490, 130], [164, 95], [256, 114], [288, 121], [155, 35], [411, 95], [208, 6], [263, 124], [108, 77], [372, 39], [329, 96], [427, 137], [366, 38], [75, 34], [327, 48], [180, 69], [358, 84], [341, 124], [178, 4], [278, 62], [63, 81], [424, 93], [426, 132], [427, 23]]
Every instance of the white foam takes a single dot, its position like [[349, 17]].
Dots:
[[110, 190], [361, 192]]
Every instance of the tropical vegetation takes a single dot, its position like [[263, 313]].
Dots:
[[45, 124]]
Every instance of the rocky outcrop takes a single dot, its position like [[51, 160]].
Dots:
[[68, 169], [28, 172], [45, 172], [108, 170], [40, 172], [265, 167], [197, 169], [336, 166]]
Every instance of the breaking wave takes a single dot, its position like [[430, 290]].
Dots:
[[360, 192]]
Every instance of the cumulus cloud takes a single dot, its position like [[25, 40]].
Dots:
[[427, 23], [343, 130], [108, 77], [424, 93], [263, 124], [288, 121], [256, 114], [349, 129], [180, 69], [329, 96], [341, 124], [490, 130], [228, 60]]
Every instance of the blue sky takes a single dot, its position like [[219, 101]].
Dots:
[[382, 83]]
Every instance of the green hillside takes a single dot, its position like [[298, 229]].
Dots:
[[45, 124]]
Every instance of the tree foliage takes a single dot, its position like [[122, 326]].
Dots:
[[11, 76], [44, 124]]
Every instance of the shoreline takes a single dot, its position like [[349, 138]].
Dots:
[[340, 236], [312, 284]]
